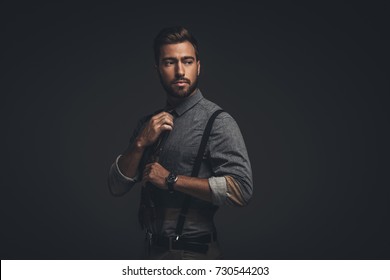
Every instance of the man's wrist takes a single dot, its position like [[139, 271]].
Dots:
[[138, 145], [170, 181]]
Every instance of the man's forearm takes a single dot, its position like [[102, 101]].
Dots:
[[122, 180], [129, 161], [196, 187], [156, 174]]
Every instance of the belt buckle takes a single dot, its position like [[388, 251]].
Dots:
[[149, 237], [172, 241]]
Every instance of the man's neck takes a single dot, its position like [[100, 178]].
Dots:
[[175, 101]]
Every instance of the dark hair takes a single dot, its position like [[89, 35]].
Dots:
[[173, 35]]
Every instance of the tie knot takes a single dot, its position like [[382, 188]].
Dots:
[[172, 112]]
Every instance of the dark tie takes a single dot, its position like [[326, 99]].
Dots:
[[149, 216]]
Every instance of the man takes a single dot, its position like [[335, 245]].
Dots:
[[177, 207]]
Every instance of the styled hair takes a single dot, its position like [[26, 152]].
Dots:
[[173, 35]]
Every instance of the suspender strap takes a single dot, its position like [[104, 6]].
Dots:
[[195, 172], [203, 143]]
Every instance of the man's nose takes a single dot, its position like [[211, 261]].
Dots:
[[180, 69]]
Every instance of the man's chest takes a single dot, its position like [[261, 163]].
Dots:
[[181, 146]]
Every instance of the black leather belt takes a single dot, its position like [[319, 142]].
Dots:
[[194, 244]]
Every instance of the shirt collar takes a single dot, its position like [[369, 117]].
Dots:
[[188, 103]]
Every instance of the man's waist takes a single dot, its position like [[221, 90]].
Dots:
[[197, 223], [204, 238], [199, 244]]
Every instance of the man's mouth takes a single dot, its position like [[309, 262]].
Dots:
[[181, 82]]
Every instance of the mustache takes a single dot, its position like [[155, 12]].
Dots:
[[182, 80]]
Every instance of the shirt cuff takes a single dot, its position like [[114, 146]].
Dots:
[[218, 188], [122, 175]]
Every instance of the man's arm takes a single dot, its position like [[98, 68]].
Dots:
[[123, 173], [155, 173], [232, 182]]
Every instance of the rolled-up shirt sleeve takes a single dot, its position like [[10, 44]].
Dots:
[[218, 188], [115, 170], [117, 180], [231, 183]]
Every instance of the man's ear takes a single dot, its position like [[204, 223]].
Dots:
[[198, 65]]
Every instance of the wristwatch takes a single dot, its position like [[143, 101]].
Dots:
[[170, 181]]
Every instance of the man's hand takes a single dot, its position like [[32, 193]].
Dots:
[[155, 174], [156, 125]]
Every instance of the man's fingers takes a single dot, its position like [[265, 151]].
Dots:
[[163, 125], [166, 127], [145, 179], [162, 117], [147, 174], [162, 122], [158, 123], [156, 126], [161, 114]]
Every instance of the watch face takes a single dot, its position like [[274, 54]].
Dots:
[[171, 178]]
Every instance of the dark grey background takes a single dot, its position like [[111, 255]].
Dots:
[[308, 85]]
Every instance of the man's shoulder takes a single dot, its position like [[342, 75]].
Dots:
[[209, 107]]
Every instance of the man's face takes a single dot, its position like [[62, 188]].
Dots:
[[178, 69]]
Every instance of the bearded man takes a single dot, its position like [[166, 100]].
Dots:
[[189, 157]]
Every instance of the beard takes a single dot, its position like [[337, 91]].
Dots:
[[179, 92]]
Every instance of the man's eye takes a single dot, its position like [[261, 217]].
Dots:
[[168, 63], [188, 62]]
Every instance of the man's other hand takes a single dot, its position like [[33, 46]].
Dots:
[[155, 174], [156, 125]]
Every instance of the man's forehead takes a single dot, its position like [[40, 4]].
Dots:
[[177, 50]]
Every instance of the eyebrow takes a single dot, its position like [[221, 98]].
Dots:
[[175, 59]]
